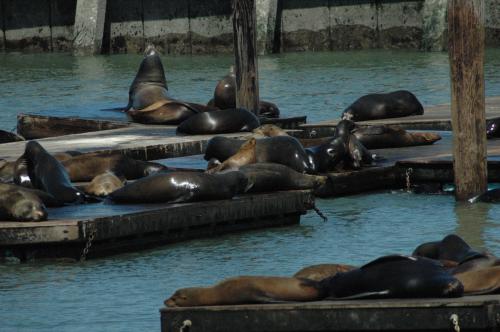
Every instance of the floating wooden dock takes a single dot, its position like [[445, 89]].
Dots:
[[434, 118], [473, 313], [120, 228]]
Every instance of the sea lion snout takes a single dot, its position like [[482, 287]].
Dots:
[[27, 210]]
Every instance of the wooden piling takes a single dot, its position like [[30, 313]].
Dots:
[[245, 52], [466, 53]]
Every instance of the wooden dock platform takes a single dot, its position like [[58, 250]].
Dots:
[[474, 313], [434, 118], [121, 228]]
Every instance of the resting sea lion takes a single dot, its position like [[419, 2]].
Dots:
[[322, 271], [181, 187], [244, 156], [86, 167], [104, 184], [394, 277], [269, 130], [452, 248], [483, 281], [47, 174], [225, 97], [8, 136], [383, 137], [219, 122], [383, 105], [19, 204], [247, 289], [265, 177], [285, 150]]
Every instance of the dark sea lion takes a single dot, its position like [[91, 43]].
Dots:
[[452, 248], [8, 137], [383, 105], [383, 137], [285, 150], [103, 184], [358, 154], [247, 290], [178, 187], [245, 155], [219, 122], [19, 204], [394, 277], [86, 167], [493, 128], [48, 174], [266, 177], [490, 196], [319, 272], [482, 281], [225, 97]]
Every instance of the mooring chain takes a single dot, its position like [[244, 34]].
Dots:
[[186, 325], [454, 321], [409, 171], [88, 244]]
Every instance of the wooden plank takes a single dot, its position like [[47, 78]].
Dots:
[[475, 313], [245, 53], [435, 118], [140, 142], [15, 233], [32, 126], [466, 53]]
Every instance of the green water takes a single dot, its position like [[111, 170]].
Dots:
[[124, 292]]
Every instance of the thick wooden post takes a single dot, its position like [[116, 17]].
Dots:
[[245, 52], [466, 53]]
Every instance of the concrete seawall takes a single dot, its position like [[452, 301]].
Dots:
[[200, 27]]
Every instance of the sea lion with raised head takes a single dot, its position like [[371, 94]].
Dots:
[[48, 174], [394, 276], [19, 204], [383, 105], [248, 290], [319, 272], [103, 184], [219, 122], [244, 156], [176, 187]]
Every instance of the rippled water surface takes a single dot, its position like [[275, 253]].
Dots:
[[125, 292]]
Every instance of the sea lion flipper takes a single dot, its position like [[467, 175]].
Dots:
[[389, 258]]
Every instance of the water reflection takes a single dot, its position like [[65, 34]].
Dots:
[[472, 219]]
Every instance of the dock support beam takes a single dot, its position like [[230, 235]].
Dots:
[[466, 53], [89, 26], [245, 52]]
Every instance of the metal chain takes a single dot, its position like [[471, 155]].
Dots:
[[319, 213], [454, 321], [88, 244], [186, 325], [409, 171]]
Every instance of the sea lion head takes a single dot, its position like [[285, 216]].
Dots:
[[29, 210], [344, 128], [268, 110], [492, 128], [33, 148], [225, 91], [185, 297], [348, 114], [152, 168], [331, 154]]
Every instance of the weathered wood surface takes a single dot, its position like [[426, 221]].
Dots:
[[475, 313], [435, 118], [120, 228], [245, 54], [466, 53], [143, 142], [32, 126]]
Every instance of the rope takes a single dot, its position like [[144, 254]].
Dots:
[[319, 213]]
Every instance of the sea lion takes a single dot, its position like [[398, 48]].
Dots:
[[269, 130], [322, 271], [86, 167], [103, 184], [285, 150], [452, 248], [265, 177], [219, 122], [19, 204], [244, 156], [48, 174], [179, 187], [225, 97], [247, 290], [482, 281], [8, 136], [490, 196], [149, 102], [394, 276], [383, 105], [6, 171], [383, 137], [358, 154], [493, 128]]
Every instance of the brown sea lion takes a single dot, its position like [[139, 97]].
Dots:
[[383, 137], [244, 156], [103, 184], [86, 167], [270, 130], [247, 289], [19, 204], [483, 281], [6, 171], [321, 271]]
